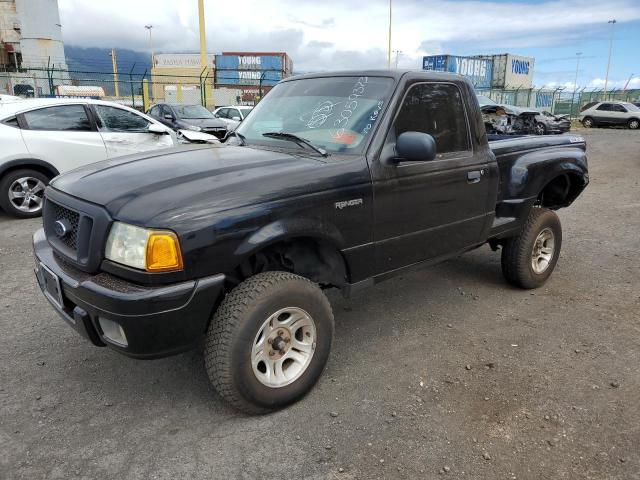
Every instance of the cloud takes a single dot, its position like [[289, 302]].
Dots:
[[352, 35]]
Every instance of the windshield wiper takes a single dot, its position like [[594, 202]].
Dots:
[[241, 137], [295, 138]]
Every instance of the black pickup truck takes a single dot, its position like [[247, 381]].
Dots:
[[334, 180]]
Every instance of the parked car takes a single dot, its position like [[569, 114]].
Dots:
[[234, 243], [232, 115], [547, 122], [611, 114], [42, 138], [188, 117]]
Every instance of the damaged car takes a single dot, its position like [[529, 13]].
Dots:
[[511, 120]]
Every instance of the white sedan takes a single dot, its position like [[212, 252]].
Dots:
[[42, 138], [232, 115]]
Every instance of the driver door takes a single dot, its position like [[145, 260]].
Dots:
[[432, 208], [125, 132]]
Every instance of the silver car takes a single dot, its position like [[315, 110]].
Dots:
[[611, 114]]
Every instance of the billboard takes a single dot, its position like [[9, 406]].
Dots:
[[477, 70], [250, 69], [181, 60]]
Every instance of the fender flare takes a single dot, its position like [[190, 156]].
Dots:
[[28, 162]]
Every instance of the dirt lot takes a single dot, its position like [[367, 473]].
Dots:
[[446, 372]]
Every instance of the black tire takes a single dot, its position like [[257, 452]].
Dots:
[[633, 124], [6, 184], [587, 122], [231, 335], [540, 128], [517, 263]]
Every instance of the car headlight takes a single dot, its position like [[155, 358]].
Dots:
[[143, 248], [195, 128]]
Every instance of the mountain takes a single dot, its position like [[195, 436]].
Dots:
[[92, 66]]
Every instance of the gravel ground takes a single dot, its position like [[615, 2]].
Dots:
[[445, 372]]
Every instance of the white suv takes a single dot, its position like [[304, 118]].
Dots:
[[611, 114], [42, 138], [232, 115]]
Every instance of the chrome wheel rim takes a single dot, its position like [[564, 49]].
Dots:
[[543, 249], [26, 194], [283, 347], [634, 124], [540, 129], [587, 123]]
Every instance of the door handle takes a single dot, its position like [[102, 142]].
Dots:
[[474, 176]]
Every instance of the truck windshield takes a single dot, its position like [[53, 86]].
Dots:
[[337, 114]]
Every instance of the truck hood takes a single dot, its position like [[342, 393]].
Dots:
[[181, 185]]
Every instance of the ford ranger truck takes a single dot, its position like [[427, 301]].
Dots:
[[335, 180]]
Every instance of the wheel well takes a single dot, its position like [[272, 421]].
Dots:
[[43, 168], [560, 191], [312, 258]]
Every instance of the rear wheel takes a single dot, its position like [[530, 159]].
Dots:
[[634, 124], [587, 122], [269, 341], [529, 259], [541, 129], [22, 193]]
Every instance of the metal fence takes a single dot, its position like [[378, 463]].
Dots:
[[559, 101], [139, 88]]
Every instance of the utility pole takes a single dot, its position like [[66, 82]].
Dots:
[[114, 62], [606, 79], [398, 53], [389, 49], [203, 35], [149, 27]]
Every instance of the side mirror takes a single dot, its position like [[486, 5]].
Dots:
[[157, 129], [236, 119], [168, 116], [415, 147]]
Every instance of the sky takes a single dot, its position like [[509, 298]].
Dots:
[[353, 34]]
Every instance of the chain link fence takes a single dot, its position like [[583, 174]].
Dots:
[[138, 89]]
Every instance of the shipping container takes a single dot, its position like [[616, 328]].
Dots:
[[477, 70], [252, 68], [511, 71]]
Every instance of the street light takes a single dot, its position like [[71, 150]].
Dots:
[[606, 79], [398, 53], [149, 27], [389, 49]]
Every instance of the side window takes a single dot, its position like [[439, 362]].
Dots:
[[120, 120], [63, 117], [436, 109], [618, 108], [223, 113], [12, 122], [605, 106], [233, 112]]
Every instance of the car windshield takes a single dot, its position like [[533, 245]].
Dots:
[[482, 100], [337, 114], [631, 107], [192, 111], [245, 110]]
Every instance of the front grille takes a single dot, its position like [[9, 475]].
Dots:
[[218, 132], [72, 219]]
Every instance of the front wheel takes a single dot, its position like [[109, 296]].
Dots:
[[269, 341], [540, 128], [529, 259], [587, 122], [22, 193], [634, 124]]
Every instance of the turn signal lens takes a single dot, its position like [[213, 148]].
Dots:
[[163, 252]]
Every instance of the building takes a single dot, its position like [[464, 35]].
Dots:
[[179, 77], [31, 38]]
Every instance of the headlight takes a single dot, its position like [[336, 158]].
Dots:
[[194, 128], [150, 250]]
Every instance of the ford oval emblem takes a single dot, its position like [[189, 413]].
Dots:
[[60, 228]]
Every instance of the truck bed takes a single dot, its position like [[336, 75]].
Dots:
[[525, 160]]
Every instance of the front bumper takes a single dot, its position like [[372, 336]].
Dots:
[[158, 321]]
